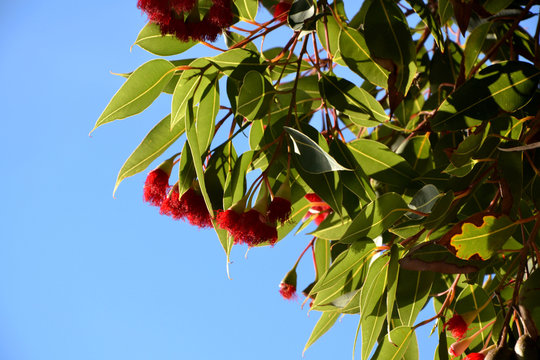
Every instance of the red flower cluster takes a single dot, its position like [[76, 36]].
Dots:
[[474, 356], [181, 18], [250, 227], [320, 211], [457, 326], [190, 206]]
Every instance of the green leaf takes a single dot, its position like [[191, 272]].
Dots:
[[376, 217], [151, 40], [373, 305], [392, 275], [429, 20], [356, 180], [439, 210], [484, 239], [300, 13], [505, 86], [325, 323], [358, 58], [475, 44], [445, 10], [321, 250], [402, 337], [388, 37], [153, 145], [236, 63], [247, 9], [255, 96], [345, 271], [206, 115], [138, 92], [466, 149], [191, 134], [494, 6], [412, 293], [310, 155], [191, 86], [380, 163], [328, 24], [235, 186], [359, 105], [418, 153], [186, 170], [423, 201]]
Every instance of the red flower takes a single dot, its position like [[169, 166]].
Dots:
[[174, 17], [172, 206], [254, 230], [288, 291], [156, 187], [279, 209], [229, 220], [321, 210], [281, 8], [457, 326], [474, 356], [195, 209]]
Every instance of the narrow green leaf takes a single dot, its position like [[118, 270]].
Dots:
[[325, 323], [191, 86], [191, 134], [412, 292], [373, 304], [235, 185], [236, 63], [505, 86], [475, 44], [206, 115], [310, 155], [186, 170], [439, 210], [153, 145], [139, 91], [429, 20], [376, 217], [151, 40], [402, 337], [255, 96], [347, 267], [359, 105], [392, 274], [358, 58], [380, 163], [321, 250], [388, 37], [423, 201]]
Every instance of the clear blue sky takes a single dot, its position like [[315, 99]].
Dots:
[[85, 276]]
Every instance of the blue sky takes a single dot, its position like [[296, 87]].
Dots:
[[86, 276]]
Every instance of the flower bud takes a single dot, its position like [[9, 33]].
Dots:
[[526, 348], [287, 287]]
